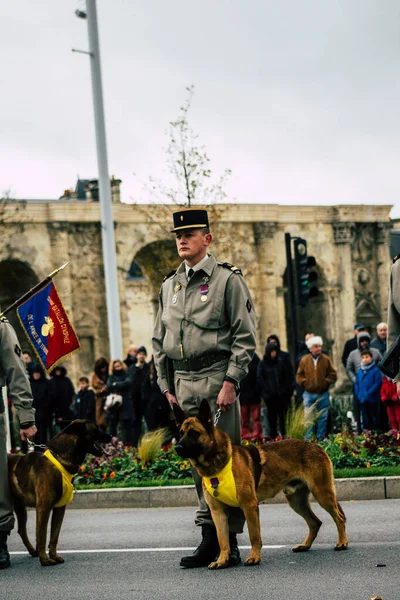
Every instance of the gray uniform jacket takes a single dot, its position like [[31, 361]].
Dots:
[[394, 308], [13, 374], [227, 320]]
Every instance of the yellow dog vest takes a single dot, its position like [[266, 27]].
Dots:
[[222, 486], [68, 488]]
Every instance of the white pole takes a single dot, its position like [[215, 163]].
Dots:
[[6, 419], [107, 223]]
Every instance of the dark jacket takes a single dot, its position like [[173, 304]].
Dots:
[[62, 394], [158, 410], [41, 398], [368, 384], [275, 377], [349, 346], [249, 390], [85, 405], [137, 375], [130, 360], [120, 383], [379, 345]]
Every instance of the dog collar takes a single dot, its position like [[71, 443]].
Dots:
[[222, 485], [67, 485]]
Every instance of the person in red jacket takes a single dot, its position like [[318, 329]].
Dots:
[[391, 401]]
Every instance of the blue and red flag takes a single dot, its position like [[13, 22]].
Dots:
[[48, 328]]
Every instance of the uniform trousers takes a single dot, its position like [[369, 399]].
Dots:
[[6, 509], [190, 389]]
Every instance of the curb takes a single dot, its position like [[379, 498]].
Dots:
[[362, 488]]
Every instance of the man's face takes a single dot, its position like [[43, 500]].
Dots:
[[133, 351], [36, 375], [364, 344], [316, 350], [192, 245], [141, 358], [83, 385], [382, 332], [27, 358]]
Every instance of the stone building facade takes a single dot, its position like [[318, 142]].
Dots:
[[350, 244]]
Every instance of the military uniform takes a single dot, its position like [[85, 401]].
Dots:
[[208, 340], [12, 374], [394, 307]]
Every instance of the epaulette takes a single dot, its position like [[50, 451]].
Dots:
[[232, 268], [169, 275], [396, 258], [3, 319]]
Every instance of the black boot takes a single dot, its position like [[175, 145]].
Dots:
[[206, 552], [234, 554], [4, 555]]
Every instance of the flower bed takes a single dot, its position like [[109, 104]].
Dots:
[[124, 467]]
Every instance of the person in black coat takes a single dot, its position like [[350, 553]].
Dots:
[[62, 394], [137, 374], [41, 403], [250, 404], [85, 401], [120, 383], [158, 413], [351, 344], [276, 383]]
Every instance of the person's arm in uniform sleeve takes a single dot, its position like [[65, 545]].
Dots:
[[13, 368], [242, 318], [159, 354], [393, 314]]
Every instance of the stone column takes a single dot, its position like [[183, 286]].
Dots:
[[267, 303], [346, 309], [383, 265]]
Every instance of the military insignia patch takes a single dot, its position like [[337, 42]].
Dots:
[[169, 275], [17, 350], [231, 267], [248, 305]]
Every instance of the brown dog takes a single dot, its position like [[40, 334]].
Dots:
[[297, 467], [46, 483]]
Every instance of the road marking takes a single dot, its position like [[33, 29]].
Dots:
[[108, 550]]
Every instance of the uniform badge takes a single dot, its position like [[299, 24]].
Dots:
[[248, 305], [176, 290], [174, 299], [17, 350], [204, 292], [177, 287]]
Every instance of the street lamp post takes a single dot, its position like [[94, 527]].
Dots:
[[107, 223]]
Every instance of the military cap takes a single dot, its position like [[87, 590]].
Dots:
[[190, 218]]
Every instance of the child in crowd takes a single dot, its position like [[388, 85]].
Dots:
[[85, 402], [367, 388], [391, 401]]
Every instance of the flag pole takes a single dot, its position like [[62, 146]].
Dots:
[[33, 290]]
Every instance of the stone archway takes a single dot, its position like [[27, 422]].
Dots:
[[16, 278]]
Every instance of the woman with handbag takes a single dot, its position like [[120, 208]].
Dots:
[[118, 404]]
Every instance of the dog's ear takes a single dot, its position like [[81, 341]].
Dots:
[[75, 428], [178, 414], [205, 416]]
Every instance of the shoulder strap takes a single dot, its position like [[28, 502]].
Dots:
[[396, 258], [231, 267], [170, 274]]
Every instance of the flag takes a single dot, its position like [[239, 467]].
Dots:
[[47, 326]]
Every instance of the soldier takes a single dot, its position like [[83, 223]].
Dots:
[[205, 330], [394, 311], [12, 374]]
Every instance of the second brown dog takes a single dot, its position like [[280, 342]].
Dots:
[[295, 467]]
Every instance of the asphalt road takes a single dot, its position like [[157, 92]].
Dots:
[[134, 553]]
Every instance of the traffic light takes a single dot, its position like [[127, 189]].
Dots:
[[306, 276]]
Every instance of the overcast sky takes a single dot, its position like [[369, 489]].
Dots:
[[300, 98]]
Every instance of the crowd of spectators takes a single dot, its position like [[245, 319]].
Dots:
[[123, 397]]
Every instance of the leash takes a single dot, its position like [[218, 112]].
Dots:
[[216, 417], [33, 445]]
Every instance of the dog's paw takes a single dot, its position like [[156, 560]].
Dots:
[[300, 548], [340, 547], [47, 562], [59, 559], [252, 560], [218, 565]]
